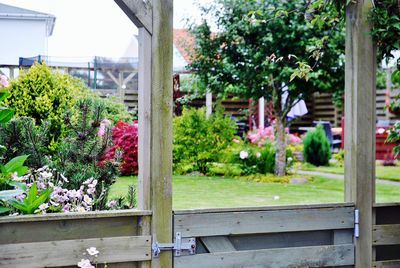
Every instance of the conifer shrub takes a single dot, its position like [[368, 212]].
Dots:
[[317, 150], [44, 95]]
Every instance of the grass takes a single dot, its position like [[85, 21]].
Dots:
[[387, 173], [191, 192]]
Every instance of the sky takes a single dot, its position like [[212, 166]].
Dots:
[[86, 28]]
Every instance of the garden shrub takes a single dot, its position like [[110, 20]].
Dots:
[[124, 147], [198, 140], [21, 136], [44, 95], [80, 151], [317, 150]]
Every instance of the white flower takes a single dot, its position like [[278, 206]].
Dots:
[[84, 263], [80, 209], [87, 199], [380, 130], [289, 159], [276, 197], [93, 184], [243, 154], [64, 178], [88, 181], [44, 206], [92, 251], [258, 154]]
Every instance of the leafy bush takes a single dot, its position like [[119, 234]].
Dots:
[[44, 94], [124, 147], [198, 140], [317, 150]]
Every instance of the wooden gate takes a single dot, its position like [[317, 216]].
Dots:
[[295, 236]]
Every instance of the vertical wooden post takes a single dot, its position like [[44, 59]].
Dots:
[[161, 128], [261, 114], [208, 104], [360, 124]]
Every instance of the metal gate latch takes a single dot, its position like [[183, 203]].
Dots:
[[178, 246]]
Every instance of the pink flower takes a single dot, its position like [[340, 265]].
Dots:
[[3, 81], [85, 263], [104, 124]]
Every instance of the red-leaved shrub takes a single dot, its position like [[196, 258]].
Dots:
[[124, 147]]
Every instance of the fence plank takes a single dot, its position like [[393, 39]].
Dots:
[[386, 234], [41, 231], [321, 256], [218, 244], [386, 264], [228, 223], [70, 252]]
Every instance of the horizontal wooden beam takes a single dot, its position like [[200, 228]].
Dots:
[[320, 256], [276, 221], [386, 264], [76, 215], [70, 252], [139, 12], [388, 234]]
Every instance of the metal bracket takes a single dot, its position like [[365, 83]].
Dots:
[[178, 246], [356, 223]]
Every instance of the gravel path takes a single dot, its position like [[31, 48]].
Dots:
[[341, 177]]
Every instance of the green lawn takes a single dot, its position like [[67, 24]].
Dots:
[[218, 192], [386, 173]]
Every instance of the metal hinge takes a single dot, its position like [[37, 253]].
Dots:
[[356, 223], [178, 246]]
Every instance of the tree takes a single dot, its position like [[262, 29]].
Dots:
[[265, 48]]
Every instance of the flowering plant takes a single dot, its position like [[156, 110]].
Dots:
[[261, 136], [45, 191], [87, 263]]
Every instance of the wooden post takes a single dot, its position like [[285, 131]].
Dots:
[[208, 104], [161, 128], [360, 124], [261, 114]]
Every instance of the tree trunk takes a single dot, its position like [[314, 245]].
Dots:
[[280, 156]]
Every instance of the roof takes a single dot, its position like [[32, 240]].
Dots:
[[13, 12], [184, 42]]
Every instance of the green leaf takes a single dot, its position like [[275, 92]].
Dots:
[[4, 210], [10, 194], [4, 94], [15, 165], [5, 115], [44, 195], [18, 184]]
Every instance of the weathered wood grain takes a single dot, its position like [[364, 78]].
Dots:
[[144, 114], [386, 264], [322, 256], [139, 12], [360, 120], [269, 208], [76, 215], [41, 231], [218, 244], [230, 223], [161, 128], [386, 234], [70, 252]]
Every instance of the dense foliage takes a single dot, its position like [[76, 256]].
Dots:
[[124, 147], [265, 48], [199, 140], [317, 150], [44, 95]]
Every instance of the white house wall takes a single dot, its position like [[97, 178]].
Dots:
[[22, 38]]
